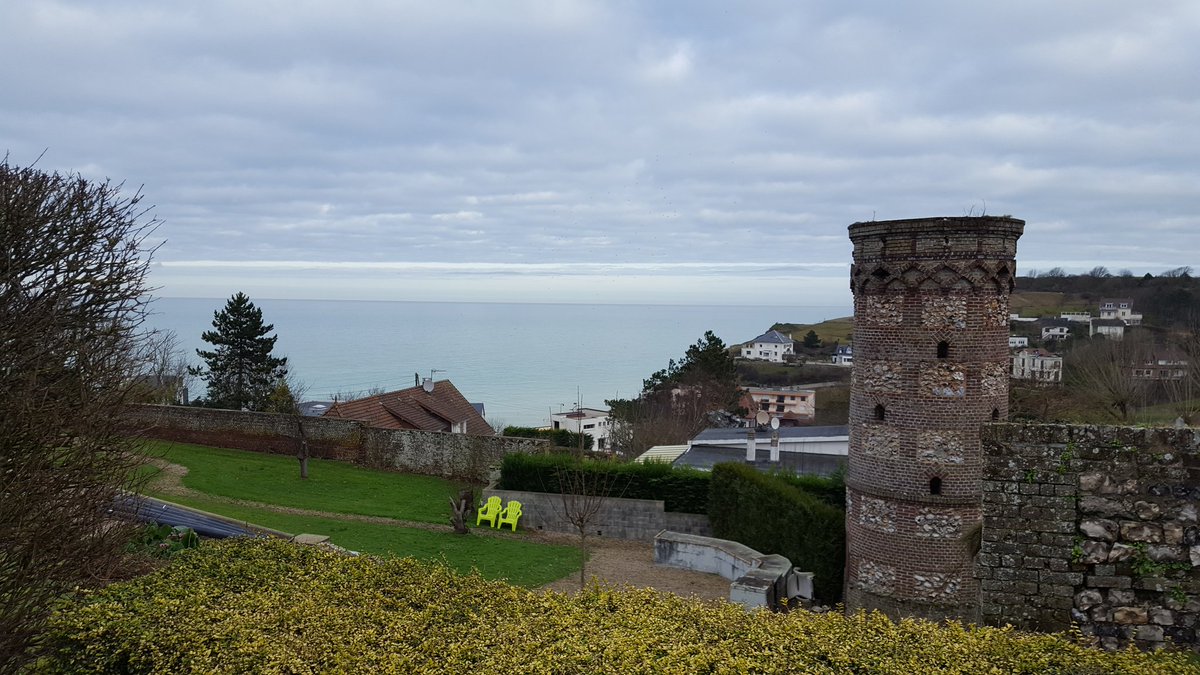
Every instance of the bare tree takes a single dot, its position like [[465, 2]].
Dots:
[[285, 400], [162, 369], [1102, 372], [584, 489], [72, 299]]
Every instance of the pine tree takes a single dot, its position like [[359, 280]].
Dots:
[[812, 340], [241, 373]]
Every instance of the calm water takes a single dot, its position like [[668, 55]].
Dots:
[[522, 361]]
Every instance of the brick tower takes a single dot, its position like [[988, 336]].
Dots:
[[930, 367]]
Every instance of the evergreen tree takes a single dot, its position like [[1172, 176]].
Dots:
[[812, 340], [241, 373]]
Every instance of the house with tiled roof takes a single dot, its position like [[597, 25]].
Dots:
[[431, 406], [771, 346], [1038, 365]]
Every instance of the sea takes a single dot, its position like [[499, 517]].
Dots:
[[522, 361]]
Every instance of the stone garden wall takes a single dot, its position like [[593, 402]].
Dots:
[[458, 456], [1093, 526], [614, 517]]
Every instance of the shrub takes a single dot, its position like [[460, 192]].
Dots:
[[683, 490], [771, 514], [561, 438], [254, 606]]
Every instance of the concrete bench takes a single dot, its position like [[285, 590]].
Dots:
[[758, 580]]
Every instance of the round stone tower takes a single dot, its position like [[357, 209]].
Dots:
[[930, 368]]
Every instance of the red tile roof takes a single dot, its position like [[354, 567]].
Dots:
[[414, 408]]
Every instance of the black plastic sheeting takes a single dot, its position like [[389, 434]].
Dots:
[[150, 510]]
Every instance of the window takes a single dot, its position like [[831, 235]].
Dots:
[[935, 486], [779, 399], [589, 426], [943, 349], [556, 426], [880, 412], [995, 414], [778, 408]]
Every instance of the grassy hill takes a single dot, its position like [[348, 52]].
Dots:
[[833, 330]]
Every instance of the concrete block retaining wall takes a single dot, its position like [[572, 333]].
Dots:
[[758, 580], [1093, 526], [457, 456], [618, 518]]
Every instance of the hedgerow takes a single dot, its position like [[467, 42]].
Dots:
[[681, 489], [272, 607], [770, 514]]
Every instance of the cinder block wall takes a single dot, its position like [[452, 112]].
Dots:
[[458, 456], [1095, 526], [930, 368]]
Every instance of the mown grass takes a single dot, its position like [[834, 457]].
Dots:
[[337, 487], [506, 556], [830, 331]]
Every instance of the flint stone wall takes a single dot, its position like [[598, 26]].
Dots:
[[456, 456], [1094, 526]]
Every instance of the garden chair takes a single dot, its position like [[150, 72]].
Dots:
[[488, 512], [510, 515]]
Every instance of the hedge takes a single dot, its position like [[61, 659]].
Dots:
[[272, 607], [770, 514], [682, 489]]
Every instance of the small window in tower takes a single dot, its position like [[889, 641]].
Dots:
[[880, 412], [943, 350], [935, 486], [995, 414]]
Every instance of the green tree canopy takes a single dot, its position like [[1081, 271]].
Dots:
[[812, 340], [241, 372], [675, 401]]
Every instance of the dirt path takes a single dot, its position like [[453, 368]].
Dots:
[[614, 562]]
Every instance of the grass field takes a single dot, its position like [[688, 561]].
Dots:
[[332, 486], [830, 331], [222, 475]]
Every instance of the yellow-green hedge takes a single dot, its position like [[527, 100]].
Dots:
[[259, 606]]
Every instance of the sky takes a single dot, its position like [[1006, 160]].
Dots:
[[683, 152]]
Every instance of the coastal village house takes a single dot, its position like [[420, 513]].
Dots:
[[1113, 329], [1055, 329], [431, 406], [1120, 308], [591, 421], [1162, 365], [843, 356], [819, 451], [1017, 341], [793, 407], [771, 346], [1038, 365]]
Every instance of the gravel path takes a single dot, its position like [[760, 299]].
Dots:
[[613, 562]]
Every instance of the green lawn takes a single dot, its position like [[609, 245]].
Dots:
[[224, 474], [337, 487]]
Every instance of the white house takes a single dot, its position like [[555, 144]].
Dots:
[[803, 450], [1120, 308], [1113, 329], [1037, 364], [591, 421], [1081, 317], [1016, 341], [843, 356], [770, 346], [1055, 329]]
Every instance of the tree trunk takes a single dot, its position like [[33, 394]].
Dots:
[[460, 508], [583, 557], [303, 466]]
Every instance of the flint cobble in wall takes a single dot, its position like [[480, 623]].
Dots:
[[1094, 526]]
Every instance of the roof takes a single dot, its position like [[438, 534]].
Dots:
[[1061, 323], [314, 408], [414, 408], [796, 462], [785, 391], [1039, 352], [1108, 322], [773, 336], [739, 433], [1116, 301], [661, 453]]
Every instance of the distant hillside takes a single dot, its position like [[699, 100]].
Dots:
[[833, 330], [1170, 300]]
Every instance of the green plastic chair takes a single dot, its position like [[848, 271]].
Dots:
[[488, 512], [510, 515]]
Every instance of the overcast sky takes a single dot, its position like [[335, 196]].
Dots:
[[659, 152]]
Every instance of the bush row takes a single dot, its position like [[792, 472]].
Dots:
[[272, 607], [771, 514], [561, 438], [682, 490]]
